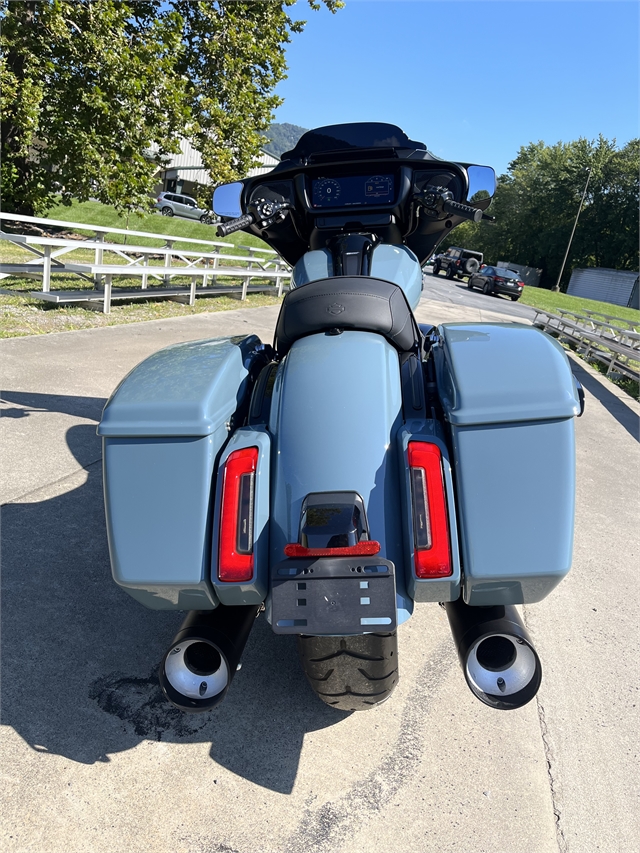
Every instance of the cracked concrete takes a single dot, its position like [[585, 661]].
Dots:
[[95, 760]]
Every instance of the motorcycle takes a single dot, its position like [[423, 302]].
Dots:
[[362, 463]]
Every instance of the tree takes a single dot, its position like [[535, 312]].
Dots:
[[87, 90], [537, 200], [96, 92]]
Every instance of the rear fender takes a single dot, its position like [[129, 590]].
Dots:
[[336, 412]]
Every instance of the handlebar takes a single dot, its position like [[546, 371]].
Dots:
[[464, 210], [226, 228]]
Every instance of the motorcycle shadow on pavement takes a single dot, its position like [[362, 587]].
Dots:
[[616, 407], [80, 658]]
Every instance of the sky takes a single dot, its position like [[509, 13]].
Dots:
[[473, 79]]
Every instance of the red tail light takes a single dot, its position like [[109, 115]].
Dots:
[[235, 557], [367, 548], [430, 524], [497, 278]]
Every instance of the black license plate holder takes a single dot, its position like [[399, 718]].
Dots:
[[333, 596]]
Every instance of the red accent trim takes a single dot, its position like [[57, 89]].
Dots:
[[363, 549], [433, 562], [234, 567]]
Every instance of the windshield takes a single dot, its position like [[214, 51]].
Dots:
[[338, 137]]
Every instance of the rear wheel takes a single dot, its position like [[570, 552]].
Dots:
[[515, 298], [449, 272], [166, 211], [470, 284], [487, 288], [351, 673]]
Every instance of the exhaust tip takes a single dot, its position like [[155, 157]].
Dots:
[[194, 675], [503, 670]]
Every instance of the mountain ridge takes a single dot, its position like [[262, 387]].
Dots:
[[282, 137]]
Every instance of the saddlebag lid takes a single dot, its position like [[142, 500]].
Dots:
[[188, 389], [492, 373]]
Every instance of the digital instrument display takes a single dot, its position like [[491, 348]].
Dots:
[[353, 190]]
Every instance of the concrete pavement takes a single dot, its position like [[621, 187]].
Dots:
[[95, 760]]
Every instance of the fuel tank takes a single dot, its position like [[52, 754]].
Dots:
[[397, 264]]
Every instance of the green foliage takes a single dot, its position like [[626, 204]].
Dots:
[[549, 300], [282, 137], [89, 93], [536, 203], [96, 92]]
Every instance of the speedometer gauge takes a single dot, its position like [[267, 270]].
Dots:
[[326, 192]]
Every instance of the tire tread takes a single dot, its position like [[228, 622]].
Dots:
[[351, 673]]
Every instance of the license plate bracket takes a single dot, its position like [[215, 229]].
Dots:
[[333, 596]]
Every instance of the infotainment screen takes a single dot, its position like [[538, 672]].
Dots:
[[353, 190]]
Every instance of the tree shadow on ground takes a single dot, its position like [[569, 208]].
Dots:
[[80, 657]]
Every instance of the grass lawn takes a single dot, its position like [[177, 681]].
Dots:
[[22, 315], [539, 297], [548, 300], [94, 213]]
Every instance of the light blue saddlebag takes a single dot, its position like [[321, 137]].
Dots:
[[510, 398], [163, 430]]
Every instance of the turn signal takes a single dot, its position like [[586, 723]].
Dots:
[[432, 556], [235, 558]]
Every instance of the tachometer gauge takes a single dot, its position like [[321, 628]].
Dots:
[[326, 192]]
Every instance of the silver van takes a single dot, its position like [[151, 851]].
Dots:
[[172, 204]]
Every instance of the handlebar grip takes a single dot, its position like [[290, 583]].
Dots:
[[226, 228], [464, 210]]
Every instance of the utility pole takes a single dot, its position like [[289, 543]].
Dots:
[[566, 254]]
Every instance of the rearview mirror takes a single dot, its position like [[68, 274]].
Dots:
[[482, 185], [227, 200]]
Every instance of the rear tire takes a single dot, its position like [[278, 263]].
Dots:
[[449, 272], [351, 673], [470, 284], [487, 289], [166, 211], [515, 298]]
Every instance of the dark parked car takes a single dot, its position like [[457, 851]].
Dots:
[[458, 262], [494, 280]]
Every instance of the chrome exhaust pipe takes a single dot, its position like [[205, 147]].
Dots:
[[497, 656], [197, 670]]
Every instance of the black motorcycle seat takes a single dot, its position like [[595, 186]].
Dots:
[[356, 302]]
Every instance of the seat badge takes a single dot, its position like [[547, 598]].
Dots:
[[335, 308]]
